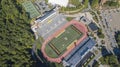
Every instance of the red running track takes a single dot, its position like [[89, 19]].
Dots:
[[79, 26]]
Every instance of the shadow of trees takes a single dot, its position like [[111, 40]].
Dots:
[[44, 62], [104, 51], [117, 37], [95, 64], [38, 63]]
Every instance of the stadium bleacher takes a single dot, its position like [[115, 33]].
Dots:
[[75, 49], [46, 15], [75, 56]]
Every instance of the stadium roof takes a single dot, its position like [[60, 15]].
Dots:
[[45, 16], [62, 3], [75, 57]]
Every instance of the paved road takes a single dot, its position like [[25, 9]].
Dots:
[[73, 15]]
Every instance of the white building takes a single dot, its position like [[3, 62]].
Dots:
[[62, 3]]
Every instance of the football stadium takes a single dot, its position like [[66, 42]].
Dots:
[[63, 41], [56, 47]]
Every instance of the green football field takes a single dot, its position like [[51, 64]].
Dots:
[[59, 44]]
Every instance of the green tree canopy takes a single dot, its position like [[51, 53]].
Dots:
[[110, 60], [15, 35]]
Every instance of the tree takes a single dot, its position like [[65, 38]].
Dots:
[[112, 3], [117, 37], [15, 35], [109, 60], [94, 3], [100, 34]]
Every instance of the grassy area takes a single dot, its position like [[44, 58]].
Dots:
[[58, 65], [39, 42], [50, 52], [22, 1], [59, 44], [73, 10], [100, 33], [69, 18], [94, 4], [46, 1], [112, 4], [94, 16], [66, 38], [74, 2]]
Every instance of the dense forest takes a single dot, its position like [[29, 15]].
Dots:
[[16, 37]]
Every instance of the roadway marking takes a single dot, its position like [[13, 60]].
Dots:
[[49, 21]]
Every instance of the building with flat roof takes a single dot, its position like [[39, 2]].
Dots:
[[85, 20], [93, 27], [62, 3]]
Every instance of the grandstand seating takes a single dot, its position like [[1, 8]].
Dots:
[[80, 51]]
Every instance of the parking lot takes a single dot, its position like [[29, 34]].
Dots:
[[113, 18], [111, 23], [50, 25]]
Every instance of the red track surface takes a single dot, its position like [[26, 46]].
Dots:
[[79, 26]]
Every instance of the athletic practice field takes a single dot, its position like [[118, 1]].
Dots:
[[30, 9], [63, 41]]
